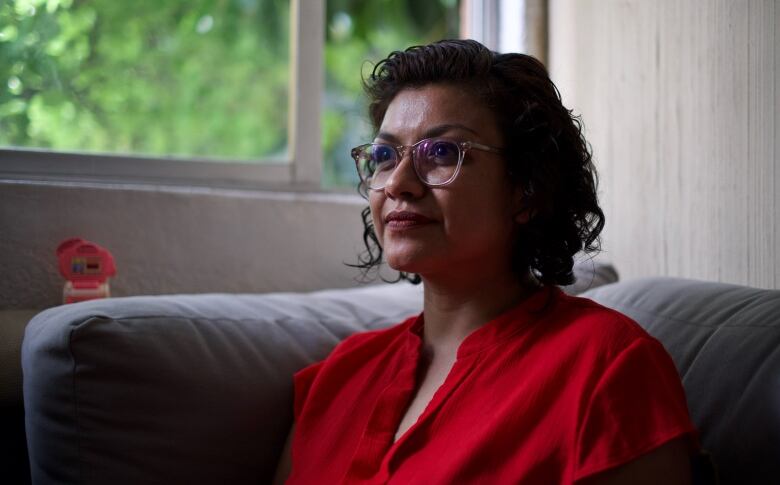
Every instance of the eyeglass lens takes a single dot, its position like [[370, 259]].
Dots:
[[435, 161]]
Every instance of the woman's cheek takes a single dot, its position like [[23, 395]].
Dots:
[[379, 230], [376, 219]]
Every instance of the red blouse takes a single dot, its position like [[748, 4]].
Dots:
[[553, 390]]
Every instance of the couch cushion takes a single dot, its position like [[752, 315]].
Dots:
[[180, 389], [725, 341]]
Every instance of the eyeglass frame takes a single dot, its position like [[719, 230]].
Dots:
[[401, 150]]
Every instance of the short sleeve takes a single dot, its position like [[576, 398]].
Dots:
[[638, 405], [302, 382]]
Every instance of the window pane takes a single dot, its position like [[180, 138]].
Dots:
[[368, 31], [188, 78]]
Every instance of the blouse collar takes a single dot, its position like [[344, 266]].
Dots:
[[501, 327]]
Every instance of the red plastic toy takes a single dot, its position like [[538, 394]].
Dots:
[[86, 266]]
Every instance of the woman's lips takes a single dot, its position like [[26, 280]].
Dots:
[[400, 220]]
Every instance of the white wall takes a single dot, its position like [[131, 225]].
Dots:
[[680, 101], [177, 240]]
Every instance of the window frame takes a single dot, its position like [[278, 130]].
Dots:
[[507, 25], [302, 167]]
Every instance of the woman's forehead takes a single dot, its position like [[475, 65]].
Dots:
[[418, 110]]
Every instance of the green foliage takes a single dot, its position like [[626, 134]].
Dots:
[[190, 78], [197, 78]]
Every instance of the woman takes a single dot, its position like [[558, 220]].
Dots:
[[481, 185]]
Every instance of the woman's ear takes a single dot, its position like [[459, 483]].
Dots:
[[523, 216], [521, 211]]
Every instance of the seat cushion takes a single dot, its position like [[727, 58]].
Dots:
[[725, 341]]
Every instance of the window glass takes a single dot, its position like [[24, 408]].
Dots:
[[183, 78], [358, 34]]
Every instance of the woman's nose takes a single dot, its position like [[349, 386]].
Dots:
[[403, 181]]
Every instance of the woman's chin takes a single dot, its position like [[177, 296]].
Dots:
[[410, 262], [406, 267], [403, 262]]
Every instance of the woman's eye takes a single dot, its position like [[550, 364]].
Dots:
[[383, 157], [441, 150], [443, 153]]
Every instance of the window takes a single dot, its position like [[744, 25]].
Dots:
[[141, 90], [214, 92]]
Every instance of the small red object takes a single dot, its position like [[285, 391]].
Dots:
[[86, 266]]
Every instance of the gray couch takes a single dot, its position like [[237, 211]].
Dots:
[[197, 388]]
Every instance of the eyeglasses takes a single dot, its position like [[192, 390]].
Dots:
[[436, 161]]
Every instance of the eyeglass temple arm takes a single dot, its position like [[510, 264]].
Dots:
[[480, 146]]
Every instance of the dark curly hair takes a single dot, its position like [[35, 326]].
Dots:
[[545, 150]]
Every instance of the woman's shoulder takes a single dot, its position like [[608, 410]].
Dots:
[[591, 323]]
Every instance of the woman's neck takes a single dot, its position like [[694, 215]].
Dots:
[[454, 308]]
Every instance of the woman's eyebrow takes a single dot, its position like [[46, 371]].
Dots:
[[388, 137], [434, 131], [442, 129]]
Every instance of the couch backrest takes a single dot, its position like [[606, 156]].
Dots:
[[196, 388], [725, 341]]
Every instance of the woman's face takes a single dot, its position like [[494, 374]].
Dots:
[[468, 224]]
